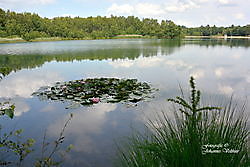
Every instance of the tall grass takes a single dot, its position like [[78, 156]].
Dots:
[[197, 137]]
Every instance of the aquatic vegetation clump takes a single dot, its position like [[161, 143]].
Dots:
[[95, 90]]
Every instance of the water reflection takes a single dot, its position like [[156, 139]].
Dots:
[[21, 106], [220, 68], [83, 126], [24, 83], [215, 42], [30, 55]]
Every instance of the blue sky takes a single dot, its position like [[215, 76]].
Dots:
[[183, 12]]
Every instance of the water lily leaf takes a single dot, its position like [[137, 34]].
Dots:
[[73, 106], [54, 97], [86, 102], [95, 90], [70, 96], [77, 99], [135, 100]]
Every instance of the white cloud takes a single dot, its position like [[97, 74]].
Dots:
[[141, 9], [184, 22], [179, 64], [23, 84], [239, 16], [141, 62], [125, 9], [219, 72], [43, 2], [181, 6], [186, 12], [20, 107], [225, 89], [151, 9], [121, 63], [224, 2], [248, 79], [148, 9], [236, 56], [201, 1], [198, 73], [16, 3], [83, 125], [148, 62]]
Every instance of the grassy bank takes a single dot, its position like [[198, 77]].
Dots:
[[198, 136], [17, 39]]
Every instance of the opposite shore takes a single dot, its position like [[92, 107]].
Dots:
[[129, 36], [219, 37], [19, 39]]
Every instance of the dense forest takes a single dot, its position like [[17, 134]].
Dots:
[[30, 26], [213, 30]]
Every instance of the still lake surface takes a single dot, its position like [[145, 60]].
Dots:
[[221, 68]]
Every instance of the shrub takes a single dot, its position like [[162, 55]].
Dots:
[[3, 33], [28, 36]]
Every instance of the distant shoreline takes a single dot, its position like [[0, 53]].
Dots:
[[220, 37], [18, 40]]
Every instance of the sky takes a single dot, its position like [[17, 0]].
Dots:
[[191, 13]]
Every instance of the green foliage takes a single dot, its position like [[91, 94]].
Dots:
[[3, 33], [213, 30], [4, 71], [13, 150], [7, 109], [191, 109], [30, 26], [28, 36], [10, 143], [185, 142]]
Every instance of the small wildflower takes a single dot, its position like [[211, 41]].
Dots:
[[95, 100]]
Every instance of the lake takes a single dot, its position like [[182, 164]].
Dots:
[[221, 69]]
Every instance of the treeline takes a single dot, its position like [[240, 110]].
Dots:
[[213, 30], [30, 26]]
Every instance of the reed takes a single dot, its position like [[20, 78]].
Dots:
[[198, 136]]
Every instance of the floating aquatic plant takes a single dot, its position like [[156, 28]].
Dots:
[[95, 90]]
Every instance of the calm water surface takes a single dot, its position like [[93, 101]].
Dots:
[[221, 68]]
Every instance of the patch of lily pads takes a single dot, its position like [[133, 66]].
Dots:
[[95, 90]]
